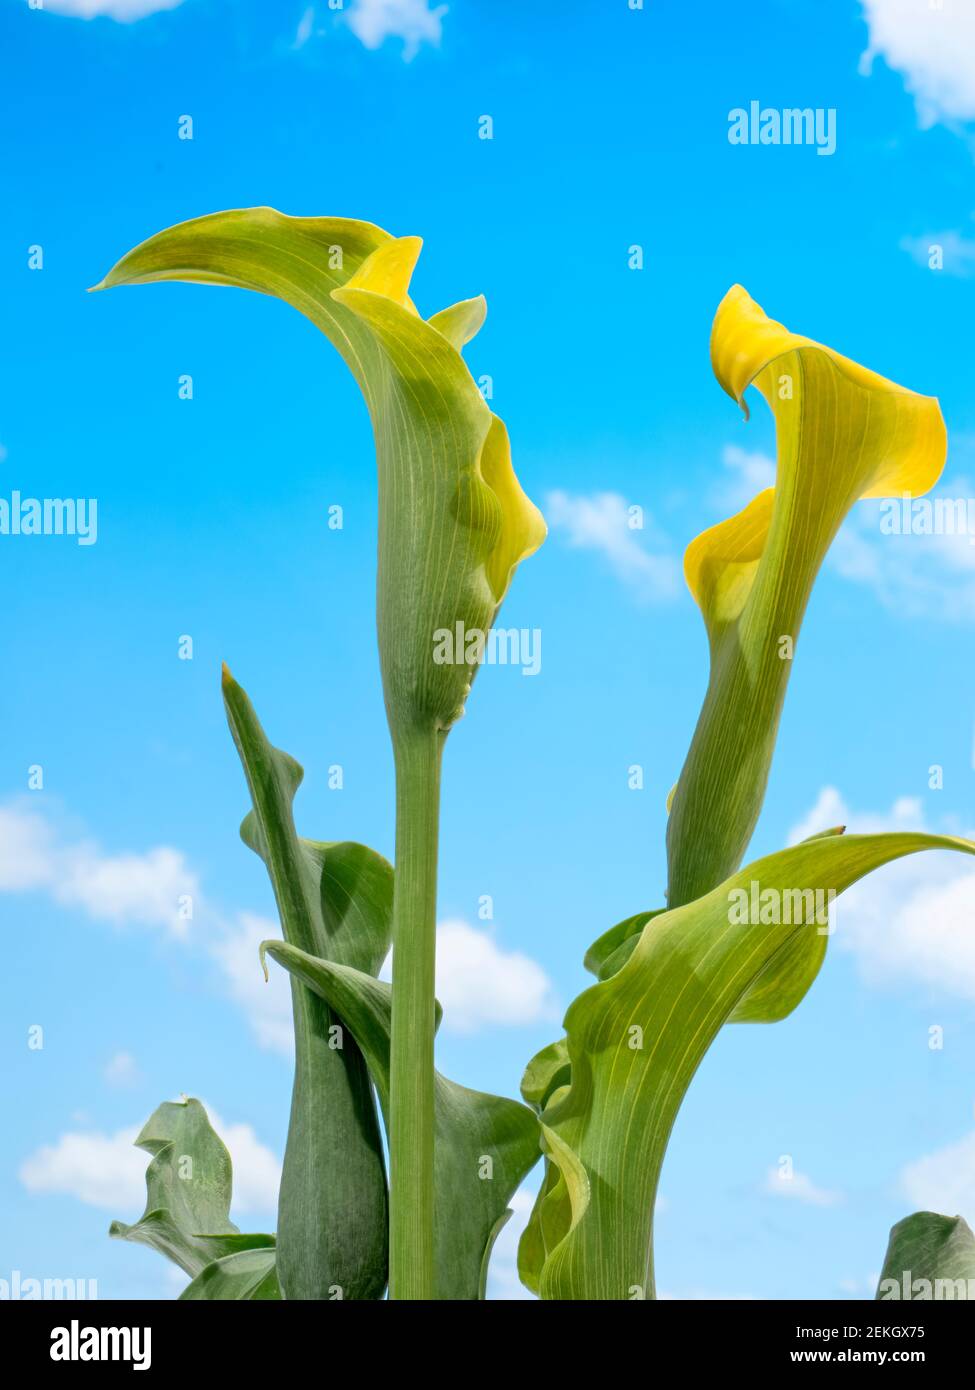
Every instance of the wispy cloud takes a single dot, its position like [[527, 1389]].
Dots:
[[151, 889], [107, 1171], [749, 473], [306, 28], [913, 574], [479, 982], [481, 985], [146, 890], [798, 1187], [943, 1180], [125, 11], [412, 21], [934, 50], [266, 1004], [121, 1070], [911, 922], [602, 522], [951, 252]]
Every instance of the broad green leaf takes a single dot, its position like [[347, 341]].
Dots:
[[248, 1275], [335, 901], [188, 1191], [635, 1041], [843, 433], [453, 520], [484, 1144], [929, 1257]]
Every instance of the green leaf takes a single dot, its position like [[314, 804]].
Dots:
[[188, 1191], [929, 1257], [335, 901], [484, 1144], [636, 1040], [842, 433], [250, 1274]]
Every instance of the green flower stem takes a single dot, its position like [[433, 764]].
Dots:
[[411, 1242], [713, 817]]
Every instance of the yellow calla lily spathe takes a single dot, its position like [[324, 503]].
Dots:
[[843, 433], [454, 522]]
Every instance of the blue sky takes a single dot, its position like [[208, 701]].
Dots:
[[610, 131]]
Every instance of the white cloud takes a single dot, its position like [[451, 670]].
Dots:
[[914, 575], [266, 1004], [147, 889], [943, 1181], [479, 985], [600, 522], [375, 21], [121, 1070], [125, 11], [750, 474], [913, 921], [27, 851], [139, 889], [798, 1188], [957, 252], [932, 48], [108, 1171], [831, 810], [306, 27], [101, 1170]]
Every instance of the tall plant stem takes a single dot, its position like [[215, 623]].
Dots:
[[411, 1257]]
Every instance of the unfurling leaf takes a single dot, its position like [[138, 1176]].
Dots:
[[188, 1191], [484, 1146], [334, 900], [842, 433]]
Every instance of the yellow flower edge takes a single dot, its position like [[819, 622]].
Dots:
[[745, 342]]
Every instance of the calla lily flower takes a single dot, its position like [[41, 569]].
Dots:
[[454, 522], [843, 433]]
